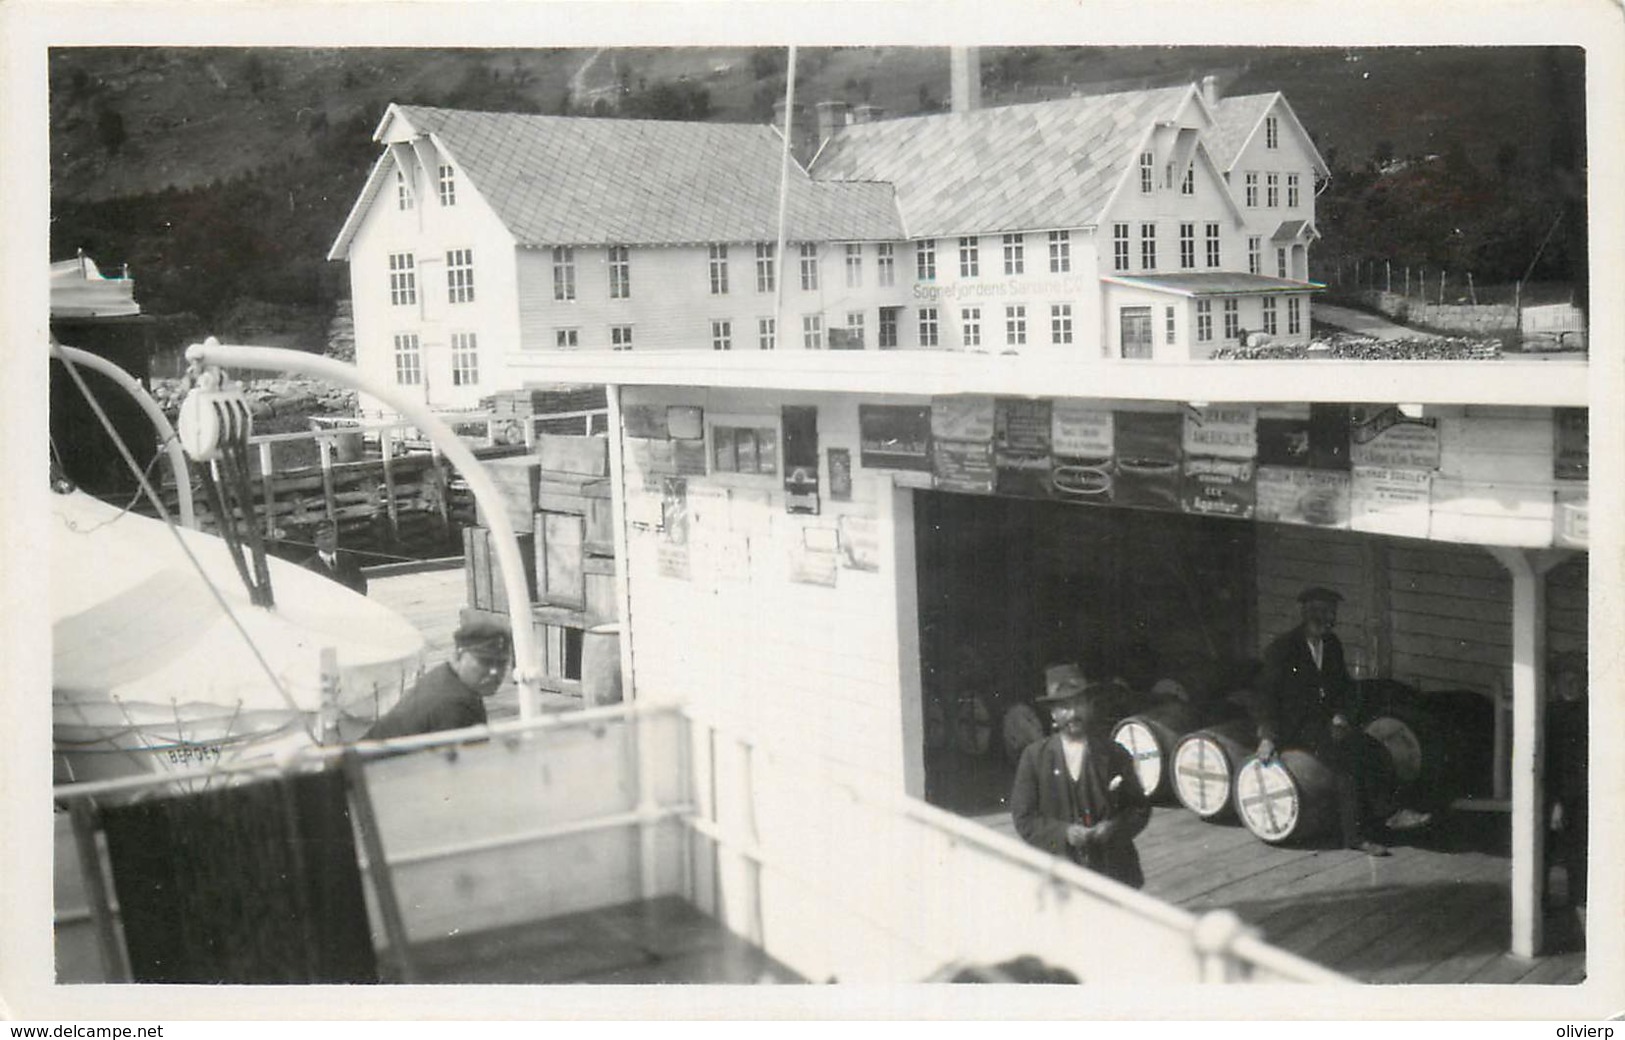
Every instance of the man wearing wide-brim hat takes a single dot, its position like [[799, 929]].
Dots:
[[452, 696], [1076, 793]]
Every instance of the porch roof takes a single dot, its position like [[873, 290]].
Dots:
[[1214, 283]]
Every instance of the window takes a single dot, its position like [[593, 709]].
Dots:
[[885, 265], [1187, 186], [1251, 182], [928, 326], [465, 360], [408, 360], [1168, 176], [766, 276], [1148, 247], [1255, 254], [1135, 323], [620, 337], [448, 185], [1168, 325], [749, 449], [1213, 245], [812, 332], [567, 339], [854, 265], [1015, 250], [722, 335], [403, 190], [1147, 174], [1269, 315], [970, 264], [887, 338], [620, 273], [1280, 263], [767, 333], [925, 260], [1120, 247], [460, 275], [717, 267], [1060, 323], [1272, 132], [1232, 319], [1272, 190], [809, 266], [1015, 325], [1293, 198], [1060, 252], [1204, 321], [849, 337], [1187, 246], [403, 279], [1294, 316], [970, 326], [564, 273]]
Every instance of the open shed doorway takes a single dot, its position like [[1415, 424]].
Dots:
[[1008, 586]]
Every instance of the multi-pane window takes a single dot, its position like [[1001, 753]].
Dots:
[[722, 335], [1135, 323], [1232, 319], [403, 190], [1250, 181], [567, 339], [809, 266], [766, 276], [767, 333], [1212, 245], [564, 273], [1147, 173], [745, 449], [970, 326], [854, 265], [1280, 263], [812, 331], [885, 265], [1255, 254], [620, 273], [925, 260], [1272, 190], [1204, 321], [1169, 328], [403, 279], [1187, 246], [970, 264], [928, 326], [1060, 252], [1015, 249], [1270, 324], [1120, 247], [1015, 325], [460, 275], [1293, 198], [1060, 323], [448, 185], [852, 335], [887, 333], [1187, 186], [717, 268], [1148, 247], [1294, 315], [465, 359], [1272, 132], [620, 337], [408, 359]]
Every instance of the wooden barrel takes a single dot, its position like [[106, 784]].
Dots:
[[601, 665], [1205, 764], [1293, 797], [1150, 736]]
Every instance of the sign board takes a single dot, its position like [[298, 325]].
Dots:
[[962, 418], [964, 466], [1391, 501], [895, 436], [1222, 431], [1021, 447], [1148, 459], [1219, 487], [1315, 497], [1080, 431], [1572, 522], [1387, 438], [1572, 451]]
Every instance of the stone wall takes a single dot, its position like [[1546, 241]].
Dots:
[[1481, 320]]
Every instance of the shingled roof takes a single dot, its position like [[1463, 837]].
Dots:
[[1047, 165], [1234, 120]]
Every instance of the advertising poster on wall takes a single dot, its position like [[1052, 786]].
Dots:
[[963, 466], [1082, 442], [673, 554], [1148, 459], [1021, 447], [895, 436], [962, 418], [1288, 495], [1572, 521], [840, 474], [1391, 501], [1221, 431], [1219, 487], [1571, 455], [1387, 438], [646, 421]]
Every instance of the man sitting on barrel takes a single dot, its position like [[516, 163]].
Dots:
[[1076, 793], [1306, 700]]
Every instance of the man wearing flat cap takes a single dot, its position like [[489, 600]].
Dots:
[[452, 696], [1076, 793], [1306, 700]]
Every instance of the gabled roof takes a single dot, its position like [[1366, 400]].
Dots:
[[1047, 165], [1292, 229], [1237, 119], [562, 180]]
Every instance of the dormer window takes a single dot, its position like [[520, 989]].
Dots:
[[403, 190], [1147, 173], [1272, 132], [448, 185], [1188, 185]]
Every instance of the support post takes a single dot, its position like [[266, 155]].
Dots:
[[114, 964], [386, 451], [898, 569], [383, 883]]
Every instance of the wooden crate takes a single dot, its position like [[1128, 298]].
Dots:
[[581, 456], [516, 480], [484, 578]]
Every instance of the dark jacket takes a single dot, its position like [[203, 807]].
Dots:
[[345, 570], [438, 701], [1045, 800], [1296, 700]]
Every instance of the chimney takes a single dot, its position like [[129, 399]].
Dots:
[[868, 114], [832, 115], [965, 78], [1210, 90]]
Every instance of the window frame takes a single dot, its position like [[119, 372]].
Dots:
[[854, 265], [1232, 317], [756, 423], [1187, 246], [767, 333], [970, 256], [1294, 191], [886, 328], [809, 266], [1272, 190], [623, 333], [564, 332], [1015, 254], [1250, 189], [1148, 246], [928, 320], [460, 275], [620, 272], [403, 280], [1255, 254], [1060, 324], [812, 331], [885, 265], [1148, 173], [465, 359], [1121, 254], [1271, 317], [767, 274], [564, 274], [716, 267], [1015, 324], [1204, 321], [448, 185], [1294, 315], [722, 334], [1060, 252], [1272, 132], [408, 360], [925, 260], [970, 326]]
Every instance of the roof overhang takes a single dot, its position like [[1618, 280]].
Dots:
[[1218, 283], [1505, 382]]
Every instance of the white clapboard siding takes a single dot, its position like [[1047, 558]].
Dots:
[[1450, 617]]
